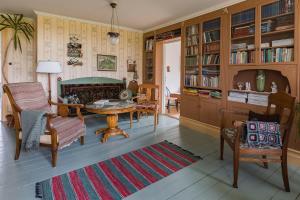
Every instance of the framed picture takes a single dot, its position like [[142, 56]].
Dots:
[[106, 62], [131, 65]]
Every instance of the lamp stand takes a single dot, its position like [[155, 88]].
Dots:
[[49, 86]]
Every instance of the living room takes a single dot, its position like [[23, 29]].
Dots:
[[150, 100]]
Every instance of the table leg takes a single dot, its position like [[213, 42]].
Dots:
[[131, 116], [113, 129]]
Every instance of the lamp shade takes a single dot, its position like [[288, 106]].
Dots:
[[51, 67]]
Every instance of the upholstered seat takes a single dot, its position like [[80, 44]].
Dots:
[[61, 129], [231, 134]]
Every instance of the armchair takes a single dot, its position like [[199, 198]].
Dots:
[[61, 130], [281, 104]]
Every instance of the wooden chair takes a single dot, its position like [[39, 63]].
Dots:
[[284, 107], [61, 129], [148, 101]]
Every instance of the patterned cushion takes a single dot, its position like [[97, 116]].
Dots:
[[29, 96], [147, 106], [69, 129], [263, 134]]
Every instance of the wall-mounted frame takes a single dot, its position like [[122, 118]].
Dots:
[[106, 62]]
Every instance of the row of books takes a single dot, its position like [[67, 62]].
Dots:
[[277, 55], [193, 71], [211, 59], [242, 57], [211, 36], [211, 47], [149, 45], [191, 61], [192, 40], [211, 25], [192, 30], [243, 31], [250, 98], [210, 81], [192, 50], [191, 80], [277, 8], [211, 71], [242, 17]]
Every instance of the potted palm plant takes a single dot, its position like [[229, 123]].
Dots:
[[19, 27]]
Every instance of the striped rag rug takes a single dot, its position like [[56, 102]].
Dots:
[[118, 177]]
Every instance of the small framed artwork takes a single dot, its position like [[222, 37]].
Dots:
[[131, 65], [106, 62]]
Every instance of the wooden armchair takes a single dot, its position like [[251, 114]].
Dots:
[[148, 101], [284, 107], [61, 129]]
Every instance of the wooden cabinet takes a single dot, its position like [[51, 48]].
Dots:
[[210, 111], [190, 107]]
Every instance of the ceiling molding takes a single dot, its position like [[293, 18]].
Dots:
[[39, 13], [196, 14]]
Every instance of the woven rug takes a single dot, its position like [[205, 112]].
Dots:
[[118, 177]]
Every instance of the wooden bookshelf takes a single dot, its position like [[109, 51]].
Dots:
[[149, 58]]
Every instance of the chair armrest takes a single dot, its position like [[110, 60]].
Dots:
[[63, 109], [225, 116]]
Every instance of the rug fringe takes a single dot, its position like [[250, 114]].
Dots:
[[191, 153], [38, 191]]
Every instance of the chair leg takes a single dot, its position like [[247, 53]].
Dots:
[[266, 165], [235, 168], [54, 156], [221, 148], [82, 140], [138, 115], [155, 120], [168, 106], [18, 149], [176, 102], [285, 175]]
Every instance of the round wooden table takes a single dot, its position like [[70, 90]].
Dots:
[[112, 109]]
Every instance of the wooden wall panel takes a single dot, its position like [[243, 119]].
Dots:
[[53, 35]]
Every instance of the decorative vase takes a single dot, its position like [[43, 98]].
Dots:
[[260, 80]]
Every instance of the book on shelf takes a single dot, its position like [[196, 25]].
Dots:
[[283, 42], [210, 59], [211, 47], [210, 81], [192, 51], [237, 99], [192, 30], [248, 97], [242, 57], [243, 31], [211, 25], [278, 8], [193, 71], [250, 47], [267, 26], [149, 45], [192, 40], [243, 17], [191, 80], [192, 61], [265, 45], [238, 46], [211, 36], [277, 55], [212, 71]]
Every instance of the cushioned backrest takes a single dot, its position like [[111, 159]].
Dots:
[[29, 96]]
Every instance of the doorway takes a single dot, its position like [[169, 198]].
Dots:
[[171, 77]]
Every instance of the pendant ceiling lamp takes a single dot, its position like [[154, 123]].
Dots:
[[114, 34]]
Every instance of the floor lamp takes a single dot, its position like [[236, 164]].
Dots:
[[49, 67]]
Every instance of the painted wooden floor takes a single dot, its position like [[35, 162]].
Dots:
[[207, 179]]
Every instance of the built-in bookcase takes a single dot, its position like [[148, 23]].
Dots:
[[243, 37], [210, 70], [192, 55], [149, 59], [277, 32]]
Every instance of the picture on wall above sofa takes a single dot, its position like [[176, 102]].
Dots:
[[106, 62]]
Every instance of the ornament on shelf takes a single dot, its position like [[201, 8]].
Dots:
[[240, 85], [260, 80], [274, 87], [248, 86]]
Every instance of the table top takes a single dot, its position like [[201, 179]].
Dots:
[[111, 107]]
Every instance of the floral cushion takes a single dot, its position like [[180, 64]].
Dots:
[[261, 134]]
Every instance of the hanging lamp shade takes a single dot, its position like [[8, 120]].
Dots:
[[114, 35]]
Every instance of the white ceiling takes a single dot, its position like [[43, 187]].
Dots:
[[136, 14]]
